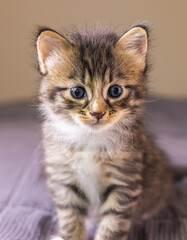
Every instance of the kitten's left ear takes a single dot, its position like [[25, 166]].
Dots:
[[134, 42], [49, 45]]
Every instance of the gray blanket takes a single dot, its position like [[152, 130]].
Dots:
[[26, 208]]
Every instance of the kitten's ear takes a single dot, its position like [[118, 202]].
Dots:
[[49, 45], [134, 42]]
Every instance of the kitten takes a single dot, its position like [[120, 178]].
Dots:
[[101, 163]]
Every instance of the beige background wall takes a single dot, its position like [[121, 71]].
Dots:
[[18, 19]]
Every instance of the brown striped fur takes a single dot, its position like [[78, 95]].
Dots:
[[106, 168]]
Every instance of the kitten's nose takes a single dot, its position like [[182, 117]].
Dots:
[[98, 115]]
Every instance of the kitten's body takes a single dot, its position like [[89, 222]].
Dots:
[[107, 169]]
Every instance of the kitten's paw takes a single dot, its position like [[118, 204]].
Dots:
[[56, 238]]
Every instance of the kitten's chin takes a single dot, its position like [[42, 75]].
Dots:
[[97, 125]]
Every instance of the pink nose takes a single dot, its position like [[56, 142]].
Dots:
[[98, 115]]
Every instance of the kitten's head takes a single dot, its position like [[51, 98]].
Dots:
[[93, 79]]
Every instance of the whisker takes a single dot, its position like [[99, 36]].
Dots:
[[152, 100]]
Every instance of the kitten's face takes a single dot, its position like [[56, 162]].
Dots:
[[95, 80]]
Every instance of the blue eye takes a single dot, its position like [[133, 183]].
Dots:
[[78, 92], [115, 91]]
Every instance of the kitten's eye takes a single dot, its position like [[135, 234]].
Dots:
[[115, 91], [78, 92]]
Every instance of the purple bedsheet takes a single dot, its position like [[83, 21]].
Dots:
[[26, 208]]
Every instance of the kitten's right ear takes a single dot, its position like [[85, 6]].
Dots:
[[49, 46], [134, 42]]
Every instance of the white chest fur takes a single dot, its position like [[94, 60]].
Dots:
[[97, 146], [88, 171]]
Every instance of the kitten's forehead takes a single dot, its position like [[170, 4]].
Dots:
[[95, 52]]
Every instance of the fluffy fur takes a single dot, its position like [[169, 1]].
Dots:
[[106, 169]]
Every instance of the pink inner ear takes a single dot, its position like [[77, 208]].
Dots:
[[137, 42], [134, 39], [142, 45], [46, 46]]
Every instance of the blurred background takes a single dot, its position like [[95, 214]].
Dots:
[[19, 19]]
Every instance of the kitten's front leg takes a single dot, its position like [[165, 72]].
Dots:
[[71, 208], [113, 228], [71, 223], [117, 211]]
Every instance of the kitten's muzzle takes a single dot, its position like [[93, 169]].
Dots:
[[97, 115]]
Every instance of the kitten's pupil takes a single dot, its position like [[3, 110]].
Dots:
[[78, 92], [115, 91]]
